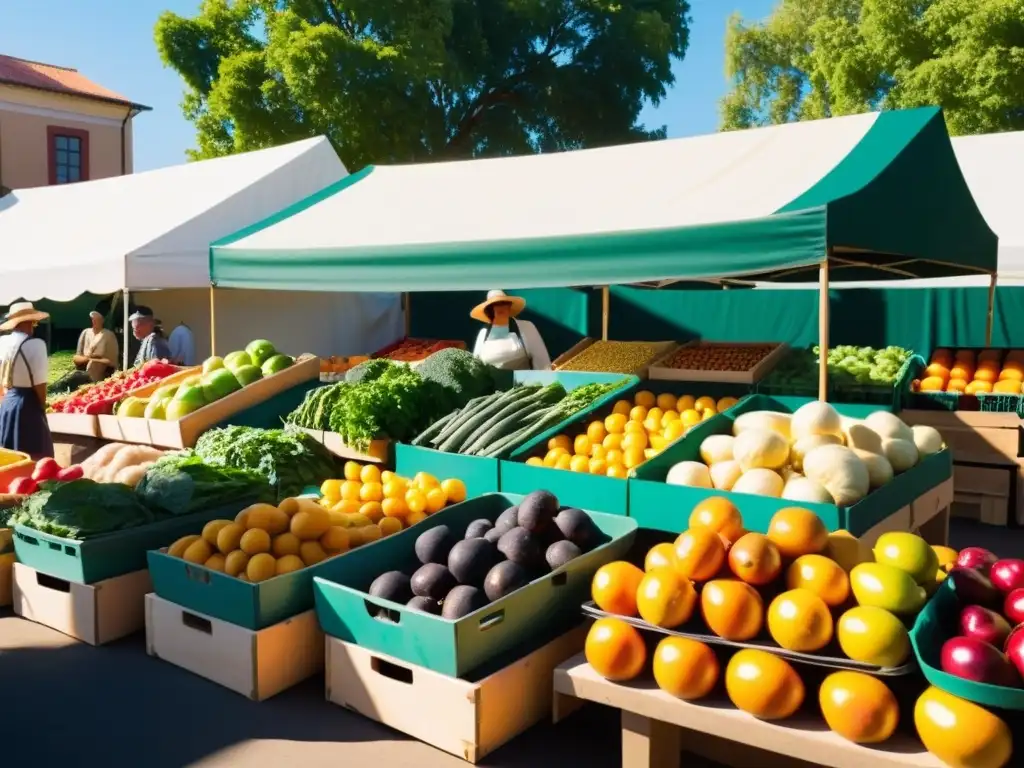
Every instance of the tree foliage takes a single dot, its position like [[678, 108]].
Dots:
[[820, 58], [405, 80]]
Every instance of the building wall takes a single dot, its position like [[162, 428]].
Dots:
[[26, 120]]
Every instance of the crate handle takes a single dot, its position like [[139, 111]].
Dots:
[[197, 623], [380, 613], [27, 539], [560, 579], [197, 574], [54, 546], [52, 582], [391, 670], [492, 620]]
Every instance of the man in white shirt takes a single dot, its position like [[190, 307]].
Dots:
[[183, 345]]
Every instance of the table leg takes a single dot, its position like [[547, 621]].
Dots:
[[648, 743], [564, 705]]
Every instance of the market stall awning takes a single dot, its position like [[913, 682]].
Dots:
[[883, 190], [993, 165], [148, 230]]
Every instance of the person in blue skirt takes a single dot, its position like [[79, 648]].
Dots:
[[24, 368]]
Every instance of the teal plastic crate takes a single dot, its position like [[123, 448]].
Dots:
[[480, 473], [934, 626], [658, 506], [455, 648], [253, 606], [604, 494], [110, 555]]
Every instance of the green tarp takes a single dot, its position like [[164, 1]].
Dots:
[[883, 190]]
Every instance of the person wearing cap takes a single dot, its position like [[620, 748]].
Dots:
[[183, 345], [24, 369], [154, 346], [508, 342], [98, 351]]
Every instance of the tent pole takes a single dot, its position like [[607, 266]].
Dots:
[[823, 329], [213, 321], [407, 312], [991, 310], [124, 327], [606, 302]]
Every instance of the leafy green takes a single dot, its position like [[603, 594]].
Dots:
[[179, 484], [462, 374], [288, 459], [368, 371], [82, 509]]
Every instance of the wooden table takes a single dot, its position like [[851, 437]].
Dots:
[[657, 727], [927, 516]]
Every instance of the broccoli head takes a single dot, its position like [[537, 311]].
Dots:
[[460, 372]]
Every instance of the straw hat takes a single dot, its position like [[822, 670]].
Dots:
[[21, 312], [517, 305]]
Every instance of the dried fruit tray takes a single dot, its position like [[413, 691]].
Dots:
[[695, 630], [726, 362], [595, 355]]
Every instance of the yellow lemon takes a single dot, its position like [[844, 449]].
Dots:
[[352, 470], [579, 464], [685, 403], [667, 401], [581, 445], [690, 417], [638, 413], [634, 440], [455, 489], [612, 442], [535, 461], [564, 461], [598, 451], [645, 398], [703, 403], [725, 404], [598, 466], [370, 474], [617, 470], [616, 423], [613, 457], [596, 431], [331, 490], [436, 500], [622, 407], [560, 441]]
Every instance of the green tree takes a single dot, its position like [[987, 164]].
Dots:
[[406, 80], [819, 58]]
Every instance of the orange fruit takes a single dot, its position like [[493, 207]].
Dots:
[[755, 559], [1007, 387], [454, 489], [394, 508], [822, 576], [581, 445], [732, 609], [956, 385], [596, 432], [638, 413], [799, 620], [579, 463], [763, 684], [615, 650], [564, 462], [560, 441], [645, 398], [797, 531], [615, 424], [720, 515], [989, 373], [350, 490], [660, 556], [977, 386], [960, 733], [937, 369], [614, 587], [858, 707], [700, 554], [372, 491], [685, 668], [932, 384], [416, 501], [633, 457], [665, 599]]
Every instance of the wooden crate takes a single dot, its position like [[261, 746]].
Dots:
[[661, 371], [984, 493], [125, 429], [93, 613], [466, 719], [661, 348], [657, 727], [379, 451], [256, 664], [82, 424], [927, 515]]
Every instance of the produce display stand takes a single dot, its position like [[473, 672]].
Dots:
[[424, 348], [469, 718], [184, 432], [597, 492], [348, 612], [482, 474], [124, 429], [656, 727], [563, 361], [257, 664], [661, 370], [96, 613], [918, 499]]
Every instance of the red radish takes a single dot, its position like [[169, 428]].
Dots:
[[74, 472], [24, 486], [46, 469]]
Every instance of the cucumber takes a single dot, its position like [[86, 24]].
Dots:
[[469, 426], [509, 424], [433, 429], [472, 407], [524, 435]]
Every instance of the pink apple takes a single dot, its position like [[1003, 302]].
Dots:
[[972, 587], [985, 625], [978, 661], [1015, 648], [976, 557], [1013, 607], [1007, 575]]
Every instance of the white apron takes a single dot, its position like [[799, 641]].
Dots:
[[500, 347]]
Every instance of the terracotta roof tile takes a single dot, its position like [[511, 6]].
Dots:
[[48, 77]]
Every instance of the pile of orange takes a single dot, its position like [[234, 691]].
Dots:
[[970, 372], [635, 431], [367, 492]]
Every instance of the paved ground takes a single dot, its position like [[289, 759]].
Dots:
[[65, 703]]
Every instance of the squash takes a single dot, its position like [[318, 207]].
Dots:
[[879, 469], [804, 489], [927, 439], [725, 474], [902, 454], [759, 482], [859, 435], [716, 449], [805, 445], [769, 420], [888, 426], [691, 473], [760, 449], [840, 471], [815, 418]]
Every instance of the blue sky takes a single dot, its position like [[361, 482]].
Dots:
[[111, 42]]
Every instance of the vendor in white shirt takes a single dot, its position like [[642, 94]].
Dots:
[[24, 369], [508, 343]]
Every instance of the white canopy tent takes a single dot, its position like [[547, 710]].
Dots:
[[152, 230], [993, 166]]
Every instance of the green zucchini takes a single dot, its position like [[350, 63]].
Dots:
[[433, 429], [469, 426], [472, 407], [506, 426], [523, 436]]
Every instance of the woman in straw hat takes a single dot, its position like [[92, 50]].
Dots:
[[507, 342], [24, 368]]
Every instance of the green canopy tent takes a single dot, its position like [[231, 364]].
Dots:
[[876, 196]]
